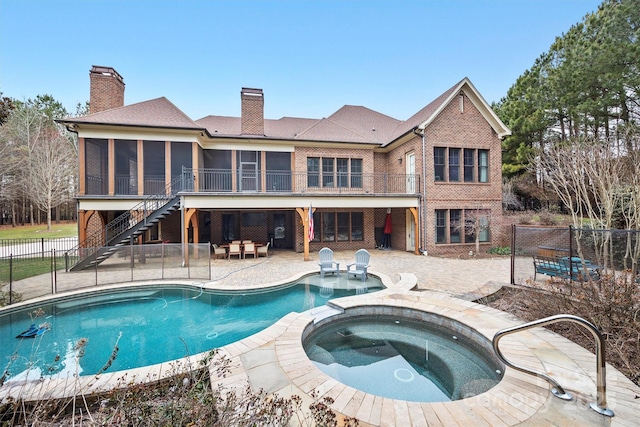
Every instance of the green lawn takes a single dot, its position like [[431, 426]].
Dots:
[[38, 231], [23, 268]]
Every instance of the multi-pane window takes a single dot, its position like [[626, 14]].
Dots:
[[455, 221], [313, 171], [441, 226], [469, 162], [483, 165], [458, 225], [343, 172], [357, 226], [334, 172], [327, 172], [338, 226], [343, 226], [439, 155], [356, 173], [455, 165], [328, 227], [476, 222]]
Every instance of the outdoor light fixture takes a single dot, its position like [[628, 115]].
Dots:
[[400, 160]]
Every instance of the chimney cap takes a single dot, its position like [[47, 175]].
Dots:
[[251, 91], [106, 71]]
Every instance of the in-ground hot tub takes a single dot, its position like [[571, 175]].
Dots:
[[409, 355]]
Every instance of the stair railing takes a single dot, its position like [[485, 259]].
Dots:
[[91, 244], [600, 406]]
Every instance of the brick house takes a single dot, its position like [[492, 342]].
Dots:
[[222, 178]]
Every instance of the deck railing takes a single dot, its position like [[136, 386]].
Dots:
[[268, 181]]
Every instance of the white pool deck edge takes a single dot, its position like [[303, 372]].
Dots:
[[274, 360]]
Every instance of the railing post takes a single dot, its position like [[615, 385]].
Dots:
[[55, 271], [10, 279], [95, 264], [42, 246], [513, 254], [570, 252]]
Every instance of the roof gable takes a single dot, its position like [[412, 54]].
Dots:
[[426, 115]]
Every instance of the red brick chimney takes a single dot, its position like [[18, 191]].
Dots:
[[252, 111], [107, 89]]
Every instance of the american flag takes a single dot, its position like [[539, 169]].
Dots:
[[311, 235]]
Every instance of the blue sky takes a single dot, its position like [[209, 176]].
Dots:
[[309, 57]]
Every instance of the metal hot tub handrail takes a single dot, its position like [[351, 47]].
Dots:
[[600, 406]]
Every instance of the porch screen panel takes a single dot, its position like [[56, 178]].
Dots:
[[96, 166], [278, 171], [218, 174], [181, 156], [126, 152], [154, 167]]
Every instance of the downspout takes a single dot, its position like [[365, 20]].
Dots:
[[423, 235]]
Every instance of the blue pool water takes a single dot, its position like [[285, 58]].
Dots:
[[403, 359], [151, 324]]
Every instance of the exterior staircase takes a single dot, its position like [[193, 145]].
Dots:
[[122, 230]]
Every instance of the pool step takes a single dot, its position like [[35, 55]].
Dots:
[[323, 312]]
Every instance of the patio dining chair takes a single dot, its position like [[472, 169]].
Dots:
[[234, 249], [250, 249], [263, 250], [327, 264], [359, 268], [218, 252]]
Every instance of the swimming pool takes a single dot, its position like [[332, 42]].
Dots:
[[150, 324], [403, 358]]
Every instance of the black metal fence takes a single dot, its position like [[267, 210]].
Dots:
[[35, 248], [597, 250], [24, 278]]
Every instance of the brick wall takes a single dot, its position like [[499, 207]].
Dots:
[[458, 129], [468, 129]]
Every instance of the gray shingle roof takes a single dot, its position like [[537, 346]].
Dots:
[[352, 124], [159, 112]]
